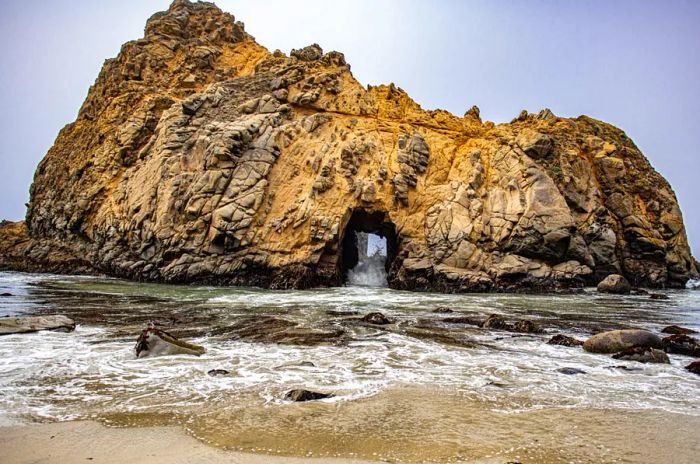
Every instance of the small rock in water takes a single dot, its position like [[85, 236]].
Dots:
[[615, 341], [461, 320], [693, 367], [331, 312], [638, 291], [306, 395], [498, 322], [676, 329], [563, 340], [376, 318], [614, 283], [156, 342], [624, 368], [5, 294], [643, 354], [570, 370], [294, 364], [681, 344], [495, 321], [659, 296], [497, 384], [526, 326], [215, 372], [442, 310]]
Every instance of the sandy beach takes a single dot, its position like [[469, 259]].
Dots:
[[85, 441], [542, 437]]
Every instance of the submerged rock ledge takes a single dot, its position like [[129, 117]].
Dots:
[[199, 156]]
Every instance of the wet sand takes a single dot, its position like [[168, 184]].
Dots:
[[419, 425], [404, 425], [89, 442]]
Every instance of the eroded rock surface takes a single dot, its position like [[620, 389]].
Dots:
[[199, 156]]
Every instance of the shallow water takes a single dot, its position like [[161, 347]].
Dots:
[[405, 392]]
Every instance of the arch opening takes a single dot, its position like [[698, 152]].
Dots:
[[368, 249]]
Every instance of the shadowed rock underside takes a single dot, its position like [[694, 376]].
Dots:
[[199, 156]]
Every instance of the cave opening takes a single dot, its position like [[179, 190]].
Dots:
[[368, 249]]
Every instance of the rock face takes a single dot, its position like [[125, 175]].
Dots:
[[199, 156]]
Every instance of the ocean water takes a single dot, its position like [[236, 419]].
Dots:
[[391, 384]]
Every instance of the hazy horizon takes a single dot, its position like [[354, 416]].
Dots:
[[633, 64]]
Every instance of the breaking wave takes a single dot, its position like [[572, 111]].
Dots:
[[369, 272]]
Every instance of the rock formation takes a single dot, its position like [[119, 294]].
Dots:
[[199, 156], [154, 342], [614, 341]]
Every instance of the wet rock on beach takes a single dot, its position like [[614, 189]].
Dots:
[[643, 354], [155, 342], [615, 341], [376, 319], [26, 324], [563, 340], [693, 367], [498, 322], [301, 395], [681, 344], [675, 329], [614, 283]]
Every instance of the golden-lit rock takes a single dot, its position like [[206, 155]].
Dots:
[[199, 156]]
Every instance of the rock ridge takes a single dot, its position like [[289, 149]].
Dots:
[[200, 156]]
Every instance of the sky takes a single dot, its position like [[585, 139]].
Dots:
[[635, 64]]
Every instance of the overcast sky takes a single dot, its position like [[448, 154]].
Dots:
[[635, 64]]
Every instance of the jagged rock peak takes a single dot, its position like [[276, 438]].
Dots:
[[201, 20], [199, 156]]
